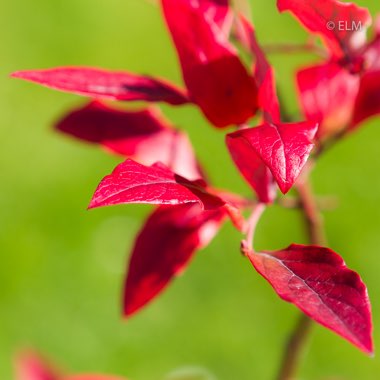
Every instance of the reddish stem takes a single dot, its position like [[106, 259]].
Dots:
[[294, 348], [252, 223], [298, 338], [312, 216], [286, 48]]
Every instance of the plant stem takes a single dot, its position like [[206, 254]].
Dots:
[[298, 338], [312, 216], [287, 48], [294, 348], [252, 223]]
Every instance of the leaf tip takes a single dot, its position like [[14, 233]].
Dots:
[[368, 348], [130, 307], [28, 75], [127, 313], [284, 186], [17, 74], [93, 204]]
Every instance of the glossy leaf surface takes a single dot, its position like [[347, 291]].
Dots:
[[317, 281], [284, 148], [251, 166], [132, 182]]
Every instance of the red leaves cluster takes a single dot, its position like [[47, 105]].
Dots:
[[189, 217], [335, 21], [341, 92], [161, 168], [200, 31]]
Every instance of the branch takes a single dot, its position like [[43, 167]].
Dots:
[[294, 348], [288, 48], [312, 216], [252, 223], [324, 203], [297, 340]]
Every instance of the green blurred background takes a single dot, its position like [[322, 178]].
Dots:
[[62, 267]]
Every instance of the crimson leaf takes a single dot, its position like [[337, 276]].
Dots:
[[284, 148], [163, 249], [341, 25], [251, 166], [206, 56], [99, 83], [317, 281], [143, 135], [132, 182], [327, 94]]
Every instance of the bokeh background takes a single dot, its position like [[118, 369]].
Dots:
[[62, 267]]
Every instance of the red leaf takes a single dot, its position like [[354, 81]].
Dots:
[[327, 95], [29, 366], [251, 166], [98, 83], [284, 149], [215, 77], [341, 25], [317, 281], [132, 182], [142, 135], [264, 73], [368, 99], [164, 248], [251, 149]]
